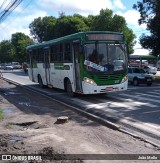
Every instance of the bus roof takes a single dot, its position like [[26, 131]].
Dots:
[[72, 36]]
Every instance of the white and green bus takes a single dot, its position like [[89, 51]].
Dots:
[[93, 62]]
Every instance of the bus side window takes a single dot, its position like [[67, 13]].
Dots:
[[67, 52], [35, 56], [55, 57], [52, 54], [40, 52], [59, 52]]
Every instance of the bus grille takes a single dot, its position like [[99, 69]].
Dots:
[[109, 77]]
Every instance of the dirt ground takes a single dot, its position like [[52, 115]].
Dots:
[[30, 127]]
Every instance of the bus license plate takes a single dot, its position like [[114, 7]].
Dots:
[[148, 79], [109, 88]]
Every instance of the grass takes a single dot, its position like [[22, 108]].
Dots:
[[1, 114]]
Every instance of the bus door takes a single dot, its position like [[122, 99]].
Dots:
[[47, 65], [31, 65], [76, 61]]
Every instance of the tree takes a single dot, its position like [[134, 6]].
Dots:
[[150, 15], [65, 25], [70, 24], [42, 29], [20, 41], [106, 21], [6, 51]]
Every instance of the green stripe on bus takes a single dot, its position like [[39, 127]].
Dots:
[[59, 66]]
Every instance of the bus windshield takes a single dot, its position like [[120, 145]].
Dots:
[[106, 57]]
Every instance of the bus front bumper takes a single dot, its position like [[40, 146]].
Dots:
[[94, 89]]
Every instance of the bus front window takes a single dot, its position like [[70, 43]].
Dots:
[[105, 57]]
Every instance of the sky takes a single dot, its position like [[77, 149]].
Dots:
[[28, 10]]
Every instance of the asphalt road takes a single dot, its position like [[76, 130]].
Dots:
[[136, 110]]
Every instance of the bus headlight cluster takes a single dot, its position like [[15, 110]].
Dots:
[[90, 81], [124, 79]]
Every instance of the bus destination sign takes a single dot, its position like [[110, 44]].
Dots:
[[113, 37]]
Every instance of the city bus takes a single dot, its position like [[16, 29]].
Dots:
[[93, 62]]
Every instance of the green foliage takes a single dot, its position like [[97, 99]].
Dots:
[[106, 21], [6, 51], [1, 114], [103, 21], [70, 24], [20, 41], [43, 28], [65, 25], [14, 49], [150, 15], [49, 27]]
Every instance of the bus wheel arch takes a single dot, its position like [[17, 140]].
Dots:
[[40, 81]]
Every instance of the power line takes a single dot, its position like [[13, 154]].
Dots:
[[9, 9], [17, 14], [3, 4]]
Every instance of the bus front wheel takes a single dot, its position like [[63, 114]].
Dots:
[[69, 89]]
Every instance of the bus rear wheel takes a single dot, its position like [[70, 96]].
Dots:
[[40, 82], [69, 89]]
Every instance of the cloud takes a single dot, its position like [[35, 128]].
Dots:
[[19, 21], [118, 4], [131, 17], [138, 50], [83, 7], [19, 24]]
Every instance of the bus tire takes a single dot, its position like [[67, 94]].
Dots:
[[40, 81], [149, 84], [69, 89], [135, 82]]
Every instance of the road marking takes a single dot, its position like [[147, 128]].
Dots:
[[141, 98], [142, 126], [138, 103], [148, 112], [155, 93], [147, 95]]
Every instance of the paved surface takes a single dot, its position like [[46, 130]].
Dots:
[[136, 110], [30, 126]]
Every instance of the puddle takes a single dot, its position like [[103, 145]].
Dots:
[[15, 138], [24, 103], [26, 125], [7, 110], [11, 93]]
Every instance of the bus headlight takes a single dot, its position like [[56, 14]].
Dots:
[[124, 79], [90, 81]]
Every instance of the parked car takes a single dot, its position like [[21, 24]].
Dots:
[[150, 69], [16, 65], [138, 76], [8, 67], [158, 65], [2, 65]]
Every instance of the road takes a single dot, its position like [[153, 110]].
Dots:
[[136, 110]]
